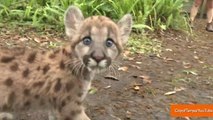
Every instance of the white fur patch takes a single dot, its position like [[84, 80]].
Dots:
[[92, 63], [102, 64]]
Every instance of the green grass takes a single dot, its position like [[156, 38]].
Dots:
[[48, 15], [148, 14]]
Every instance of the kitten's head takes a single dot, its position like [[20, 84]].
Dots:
[[96, 40]]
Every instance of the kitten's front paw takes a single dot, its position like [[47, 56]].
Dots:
[[6, 116]]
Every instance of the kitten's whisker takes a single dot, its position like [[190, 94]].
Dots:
[[73, 70]]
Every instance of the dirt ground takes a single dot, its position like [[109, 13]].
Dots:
[[144, 91]]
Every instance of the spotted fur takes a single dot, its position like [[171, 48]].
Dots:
[[59, 80]]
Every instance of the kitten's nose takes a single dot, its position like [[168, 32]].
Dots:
[[98, 56]]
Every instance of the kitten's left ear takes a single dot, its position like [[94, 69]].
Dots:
[[72, 20], [125, 26]]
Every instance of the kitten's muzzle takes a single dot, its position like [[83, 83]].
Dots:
[[96, 60]]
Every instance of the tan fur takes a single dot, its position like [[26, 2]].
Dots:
[[60, 79]]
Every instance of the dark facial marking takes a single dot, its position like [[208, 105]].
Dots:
[[31, 58], [14, 67], [38, 84], [46, 68], [11, 98], [7, 59], [62, 65], [26, 92], [8, 82], [57, 85], [26, 72], [108, 32]]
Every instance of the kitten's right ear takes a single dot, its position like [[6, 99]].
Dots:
[[72, 20], [125, 25]]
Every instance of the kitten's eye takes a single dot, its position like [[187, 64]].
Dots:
[[87, 40], [109, 42]]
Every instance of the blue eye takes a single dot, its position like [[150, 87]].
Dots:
[[87, 41], [109, 42]]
